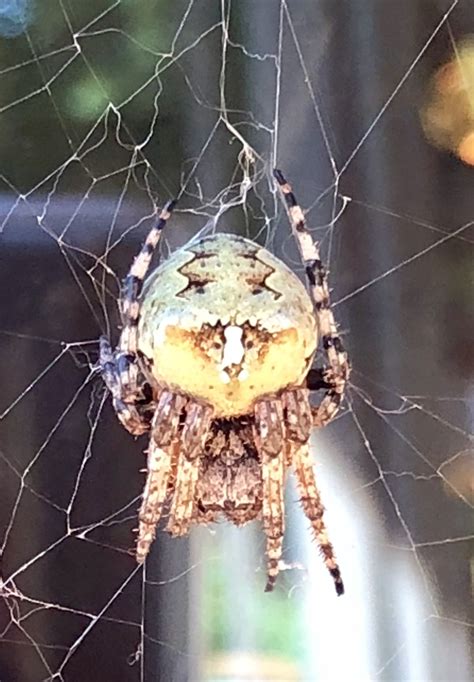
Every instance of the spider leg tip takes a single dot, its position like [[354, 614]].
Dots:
[[279, 177], [338, 584], [166, 211], [271, 580]]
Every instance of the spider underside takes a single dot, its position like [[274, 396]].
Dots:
[[214, 360]]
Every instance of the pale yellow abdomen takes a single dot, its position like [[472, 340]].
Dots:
[[226, 322]]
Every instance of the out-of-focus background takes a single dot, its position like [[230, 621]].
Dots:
[[107, 109]]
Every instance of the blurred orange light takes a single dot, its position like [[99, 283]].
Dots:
[[466, 149], [448, 113]]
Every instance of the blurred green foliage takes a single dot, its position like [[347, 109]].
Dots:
[[67, 68]]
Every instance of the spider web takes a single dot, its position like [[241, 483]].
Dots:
[[107, 110]]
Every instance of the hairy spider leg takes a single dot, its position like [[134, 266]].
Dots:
[[127, 412], [120, 368], [130, 305], [337, 373], [133, 283], [298, 426], [297, 414], [193, 438], [163, 447], [314, 510], [270, 441], [154, 496]]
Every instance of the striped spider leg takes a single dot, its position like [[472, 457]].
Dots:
[[122, 370], [336, 374], [332, 378], [178, 425], [132, 396]]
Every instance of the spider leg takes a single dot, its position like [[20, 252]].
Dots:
[[154, 496], [129, 304], [126, 409], [315, 380], [297, 413], [271, 446], [133, 284], [121, 370], [337, 372], [314, 510], [163, 442], [193, 438]]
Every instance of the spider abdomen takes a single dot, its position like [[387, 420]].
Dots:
[[226, 322]]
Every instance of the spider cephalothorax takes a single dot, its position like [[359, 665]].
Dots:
[[215, 360]]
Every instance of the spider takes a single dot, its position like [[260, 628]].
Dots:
[[215, 361]]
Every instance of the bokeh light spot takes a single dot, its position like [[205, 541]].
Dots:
[[448, 113]]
